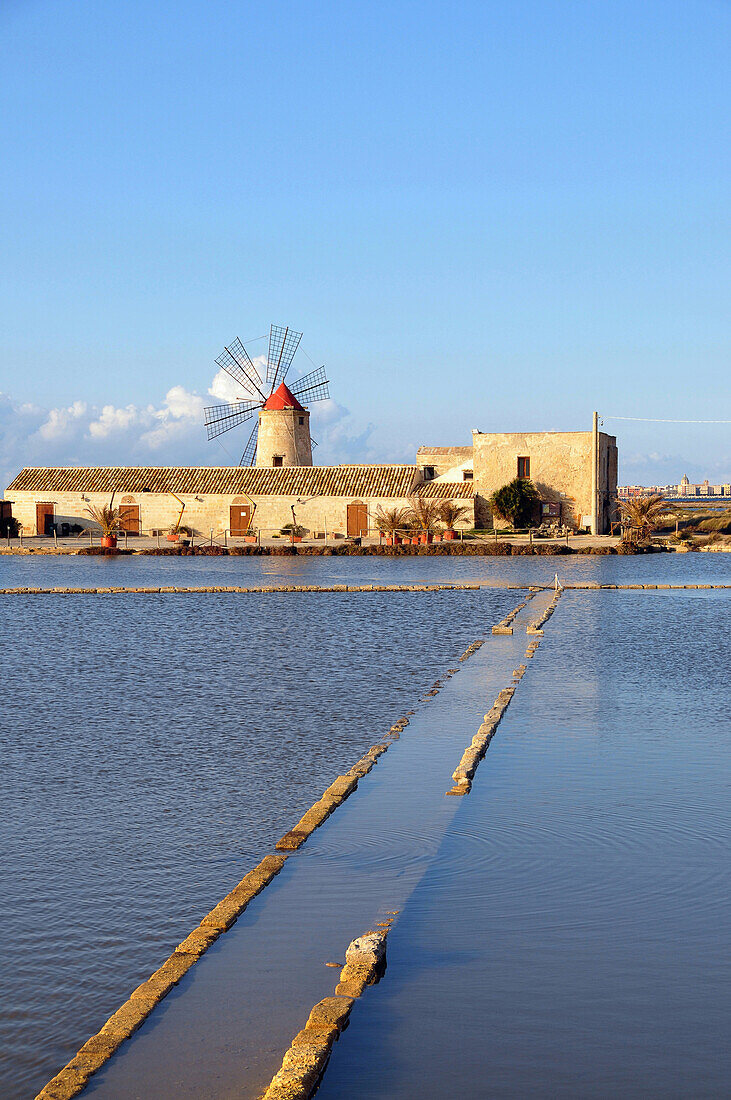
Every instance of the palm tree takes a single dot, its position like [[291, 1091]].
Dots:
[[451, 513], [424, 513], [390, 521], [641, 516], [109, 519]]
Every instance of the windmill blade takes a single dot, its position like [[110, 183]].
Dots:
[[249, 455], [220, 418], [236, 362], [283, 343], [318, 392], [310, 381]]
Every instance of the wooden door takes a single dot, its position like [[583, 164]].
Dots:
[[130, 521], [240, 519], [357, 519], [44, 519]]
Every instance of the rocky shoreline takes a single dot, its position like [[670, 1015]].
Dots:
[[451, 550]]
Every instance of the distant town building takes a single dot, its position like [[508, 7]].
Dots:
[[684, 490]]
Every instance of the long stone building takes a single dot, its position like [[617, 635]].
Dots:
[[575, 474], [326, 500]]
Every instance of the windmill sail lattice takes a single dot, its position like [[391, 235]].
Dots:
[[236, 362], [283, 343], [263, 392]]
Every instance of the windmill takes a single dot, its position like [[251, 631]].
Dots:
[[281, 435]]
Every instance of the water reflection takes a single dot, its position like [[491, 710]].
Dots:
[[570, 940]]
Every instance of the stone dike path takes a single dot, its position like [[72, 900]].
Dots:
[[222, 1015], [444, 586]]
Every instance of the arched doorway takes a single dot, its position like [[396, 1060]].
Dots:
[[240, 517], [130, 521]]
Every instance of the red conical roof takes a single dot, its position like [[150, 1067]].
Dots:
[[282, 398]]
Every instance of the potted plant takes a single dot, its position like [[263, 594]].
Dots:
[[294, 530], [250, 536], [179, 533], [424, 516], [110, 520], [390, 521], [450, 514]]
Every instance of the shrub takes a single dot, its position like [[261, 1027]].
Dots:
[[552, 549], [515, 502]]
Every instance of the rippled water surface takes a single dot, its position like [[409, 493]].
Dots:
[[571, 937], [46, 571], [568, 937], [153, 748]]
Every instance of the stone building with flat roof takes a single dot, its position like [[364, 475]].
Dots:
[[575, 473]]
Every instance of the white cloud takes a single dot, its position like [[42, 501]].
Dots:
[[60, 423], [171, 432], [180, 404], [112, 421], [224, 388]]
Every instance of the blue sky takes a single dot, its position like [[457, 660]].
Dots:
[[481, 214]]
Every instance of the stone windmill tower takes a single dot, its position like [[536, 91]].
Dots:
[[281, 436]]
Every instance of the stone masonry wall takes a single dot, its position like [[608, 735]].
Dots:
[[211, 512], [280, 433], [560, 469]]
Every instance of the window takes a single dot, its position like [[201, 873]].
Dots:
[[302, 420], [524, 466], [277, 460], [467, 475], [429, 473]]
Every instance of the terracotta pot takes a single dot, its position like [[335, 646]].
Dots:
[[389, 541], [109, 542], [250, 538], [449, 534], [437, 537], [425, 538], [296, 538], [173, 536]]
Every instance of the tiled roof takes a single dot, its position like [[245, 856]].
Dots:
[[459, 452], [336, 481], [446, 490]]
